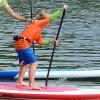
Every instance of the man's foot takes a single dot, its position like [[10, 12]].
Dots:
[[34, 87], [21, 84]]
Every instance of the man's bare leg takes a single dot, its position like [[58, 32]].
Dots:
[[22, 71], [32, 72]]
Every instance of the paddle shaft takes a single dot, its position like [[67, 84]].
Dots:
[[46, 83], [31, 10]]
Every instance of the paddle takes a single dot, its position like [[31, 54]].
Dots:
[[46, 83], [31, 10]]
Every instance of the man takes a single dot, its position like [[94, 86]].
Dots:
[[23, 41]]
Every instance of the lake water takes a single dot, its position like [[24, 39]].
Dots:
[[79, 40]]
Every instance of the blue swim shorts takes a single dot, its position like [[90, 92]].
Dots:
[[26, 56]]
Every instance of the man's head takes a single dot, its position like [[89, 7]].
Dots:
[[42, 15]]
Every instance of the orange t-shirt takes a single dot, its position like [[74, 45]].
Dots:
[[33, 32]]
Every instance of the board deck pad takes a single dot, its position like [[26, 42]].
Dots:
[[43, 88]]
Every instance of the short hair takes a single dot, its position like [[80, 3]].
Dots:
[[41, 15]]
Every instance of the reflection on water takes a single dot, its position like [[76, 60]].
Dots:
[[79, 38]]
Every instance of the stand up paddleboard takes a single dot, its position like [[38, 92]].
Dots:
[[54, 73], [49, 92]]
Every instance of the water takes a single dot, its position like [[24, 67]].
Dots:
[[79, 38]]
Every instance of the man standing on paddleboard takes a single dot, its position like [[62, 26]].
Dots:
[[30, 34], [5, 6]]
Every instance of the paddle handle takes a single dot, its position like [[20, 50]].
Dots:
[[46, 82]]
